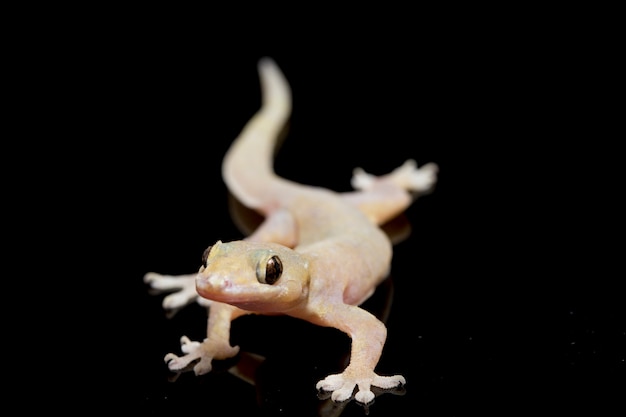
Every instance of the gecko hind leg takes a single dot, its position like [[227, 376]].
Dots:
[[384, 197]]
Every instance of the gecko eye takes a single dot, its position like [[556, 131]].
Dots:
[[205, 256], [273, 271]]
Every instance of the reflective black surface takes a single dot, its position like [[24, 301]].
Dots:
[[497, 302]]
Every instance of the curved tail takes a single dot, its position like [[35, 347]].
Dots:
[[247, 167]]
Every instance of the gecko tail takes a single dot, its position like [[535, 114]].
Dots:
[[276, 92], [248, 166]]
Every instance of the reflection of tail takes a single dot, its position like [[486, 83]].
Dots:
[[247, 168]]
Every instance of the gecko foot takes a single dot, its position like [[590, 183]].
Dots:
[[192, 353], [407, 176], [342, 386], [199, 354], [416, 179], [185, 284]]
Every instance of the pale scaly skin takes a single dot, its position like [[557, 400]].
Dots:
[[317, 256]]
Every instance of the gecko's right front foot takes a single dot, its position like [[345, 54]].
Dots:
[[193, 352]]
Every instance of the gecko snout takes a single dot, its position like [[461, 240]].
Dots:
[[214, 282]]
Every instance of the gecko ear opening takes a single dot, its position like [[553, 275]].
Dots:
[[269, 272]]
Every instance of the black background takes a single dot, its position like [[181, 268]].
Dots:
[[502, 299]]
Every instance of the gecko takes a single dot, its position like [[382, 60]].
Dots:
[[317, 255]]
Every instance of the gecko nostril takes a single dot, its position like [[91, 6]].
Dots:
[[217, 281]]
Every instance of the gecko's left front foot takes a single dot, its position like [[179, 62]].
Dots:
[[183, 285], [342, 385]]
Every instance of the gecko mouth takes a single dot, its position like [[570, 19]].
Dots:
[[223, 289]]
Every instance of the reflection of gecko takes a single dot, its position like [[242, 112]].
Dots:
[[316, 256]]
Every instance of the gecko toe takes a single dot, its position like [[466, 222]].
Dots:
[[169, 357], [387, 382], [330, 383], [203, 366], [342, 394], [364, 397]]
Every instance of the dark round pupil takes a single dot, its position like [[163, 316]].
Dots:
[[273, 270]]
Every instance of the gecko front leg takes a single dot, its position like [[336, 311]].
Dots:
[[215, 346], [368, 336]]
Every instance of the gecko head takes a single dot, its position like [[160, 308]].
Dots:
[[255, 276]]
